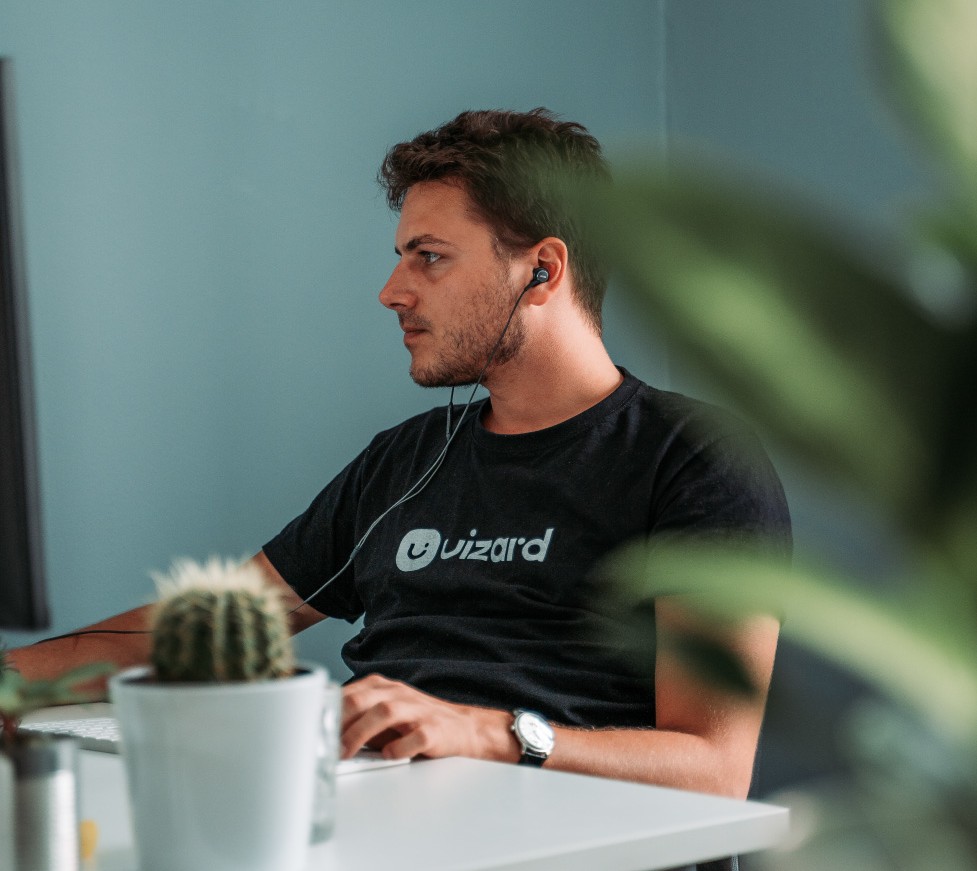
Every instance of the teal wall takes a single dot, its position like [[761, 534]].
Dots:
[[792, 89], [206, 241]]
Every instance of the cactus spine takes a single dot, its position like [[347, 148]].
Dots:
[[219, 622]]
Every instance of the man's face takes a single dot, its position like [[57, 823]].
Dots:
[[451, 290]]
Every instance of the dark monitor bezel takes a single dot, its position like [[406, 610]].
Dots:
[[23, 600]]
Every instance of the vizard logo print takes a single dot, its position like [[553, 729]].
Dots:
[[420, 547]]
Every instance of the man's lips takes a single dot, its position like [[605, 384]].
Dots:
[[412, 331], [412, 334]]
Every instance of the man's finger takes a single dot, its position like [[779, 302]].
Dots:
[[375, 725], [407, 746]]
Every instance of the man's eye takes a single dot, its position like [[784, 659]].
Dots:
[[429, 256]]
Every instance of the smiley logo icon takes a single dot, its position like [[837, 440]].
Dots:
[[418, 549]]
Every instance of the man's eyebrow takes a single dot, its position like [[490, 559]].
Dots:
[[417, 241]]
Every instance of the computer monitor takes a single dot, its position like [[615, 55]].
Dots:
[[23, 603]]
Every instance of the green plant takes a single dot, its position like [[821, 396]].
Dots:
[[19, 696], [848, 364], [219, 622]]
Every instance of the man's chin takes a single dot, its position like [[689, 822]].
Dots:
[[440, 378]]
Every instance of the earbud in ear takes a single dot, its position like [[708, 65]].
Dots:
[[540, 276]]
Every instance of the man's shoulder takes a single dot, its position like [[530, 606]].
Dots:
[[685, 415], [715, 464]]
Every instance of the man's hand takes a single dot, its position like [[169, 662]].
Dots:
[[403, 722]]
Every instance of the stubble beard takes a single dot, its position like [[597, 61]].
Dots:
[[465, 349]]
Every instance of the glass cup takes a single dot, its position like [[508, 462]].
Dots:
[[324, 800]]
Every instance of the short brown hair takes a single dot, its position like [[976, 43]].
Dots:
[[504, 159]]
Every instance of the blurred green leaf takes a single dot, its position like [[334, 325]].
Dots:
[[866, 371], [927, 50], [634, 631], [82, 674], [832, 357], [819, 346], [19, 696], [921, 650], [712, 661], [953, 228]]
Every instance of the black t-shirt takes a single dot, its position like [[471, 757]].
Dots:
[[480, 590]]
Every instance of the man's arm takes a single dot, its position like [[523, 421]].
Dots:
[[124, 638], [705, 738], [299, 616]]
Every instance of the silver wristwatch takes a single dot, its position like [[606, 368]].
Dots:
[[534, 735]]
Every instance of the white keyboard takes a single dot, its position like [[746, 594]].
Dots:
[[94, 733], [102, 734]]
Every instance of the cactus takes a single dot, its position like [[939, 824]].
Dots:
[[219, 622]]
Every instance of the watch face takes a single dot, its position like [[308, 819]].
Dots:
[[535, 732]]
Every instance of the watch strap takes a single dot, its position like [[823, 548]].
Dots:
[[533, 759]]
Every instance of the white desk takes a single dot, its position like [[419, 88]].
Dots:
[[465, 815]]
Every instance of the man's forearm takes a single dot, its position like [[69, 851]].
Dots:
[[664, 758], [656, 756], [122, 640], [721, 766], [406, 722]]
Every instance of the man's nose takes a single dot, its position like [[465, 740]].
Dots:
[[395, 293]]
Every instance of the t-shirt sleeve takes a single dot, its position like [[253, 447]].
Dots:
[[314, 547], [720, 485]]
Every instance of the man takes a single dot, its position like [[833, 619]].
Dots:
[[471, 534]]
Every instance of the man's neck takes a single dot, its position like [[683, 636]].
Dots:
[[542, 393]]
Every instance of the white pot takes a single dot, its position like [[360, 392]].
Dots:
[[221, 776]]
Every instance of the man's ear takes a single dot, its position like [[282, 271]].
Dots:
[[551, 254]]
